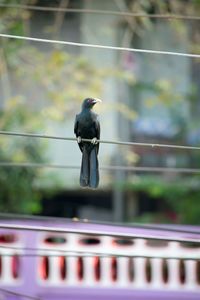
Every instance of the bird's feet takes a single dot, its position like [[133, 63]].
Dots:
[[94, 141], [79, 139]]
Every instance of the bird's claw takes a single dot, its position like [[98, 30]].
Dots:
[[94, 141], [79, 139]]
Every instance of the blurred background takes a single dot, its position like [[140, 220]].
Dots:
[[146, 98]]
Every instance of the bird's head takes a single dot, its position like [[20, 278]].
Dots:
[[90, 102]]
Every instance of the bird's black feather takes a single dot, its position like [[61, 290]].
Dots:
[[85, 168], [87, 126], [94, 169]]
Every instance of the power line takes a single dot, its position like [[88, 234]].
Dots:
[[21, 134], [42, 136], [116, 224], [103, 168], [98, 46], [19, 294], [99, 233], [68, 253], [103, 12]]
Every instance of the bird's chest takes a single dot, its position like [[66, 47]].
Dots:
[[87, 127]]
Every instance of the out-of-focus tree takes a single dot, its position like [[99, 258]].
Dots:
[[63, 80], [137, 26], [178, 197], [17, 185]]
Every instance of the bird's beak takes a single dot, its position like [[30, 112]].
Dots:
[[96, 100]]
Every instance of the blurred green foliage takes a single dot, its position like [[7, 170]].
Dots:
[[62, 81], [179, 196], [17, 185]]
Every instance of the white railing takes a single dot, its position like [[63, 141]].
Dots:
[[139, 265], [10, 252]]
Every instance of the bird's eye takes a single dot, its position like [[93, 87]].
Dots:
[[89, 100]]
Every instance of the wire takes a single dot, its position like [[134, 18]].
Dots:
[[68, 253], [116, 224], [103, 12], [19, 294], [103, 168], [99, 141], [99, 233], [97, 46], [40, 136]]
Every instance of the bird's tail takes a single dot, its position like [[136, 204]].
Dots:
[[94, 169], [84, 175]]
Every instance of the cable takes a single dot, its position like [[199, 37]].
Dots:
[[99, 233], [103, 12], [103, 168], [115, 224], [42, 136], [19, 294], [67, 253], [99, 141], [97, 46], [130, 225]]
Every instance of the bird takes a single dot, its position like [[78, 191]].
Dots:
[[87, 126]]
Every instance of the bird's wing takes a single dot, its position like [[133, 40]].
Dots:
[[76, 126], [97, 127], [76, 131]]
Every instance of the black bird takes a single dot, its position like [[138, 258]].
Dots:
[[87, 126]]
